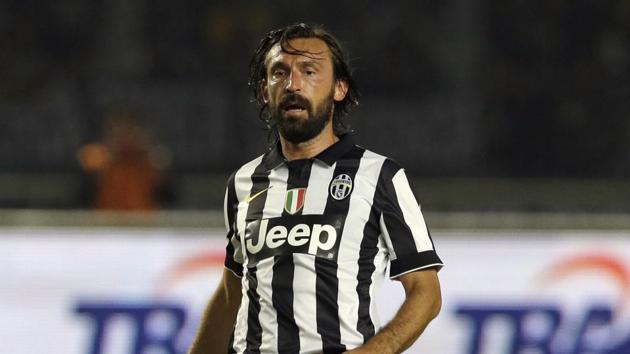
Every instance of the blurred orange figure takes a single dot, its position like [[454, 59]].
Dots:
[[127, 166]]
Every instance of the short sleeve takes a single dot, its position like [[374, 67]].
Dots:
[[402, 224], [233, 250]]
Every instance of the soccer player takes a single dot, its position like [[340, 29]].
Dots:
[[313, 223]]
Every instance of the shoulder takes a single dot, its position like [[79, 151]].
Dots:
[[251, 164], [388, 166], [246, 170], [241, 177]]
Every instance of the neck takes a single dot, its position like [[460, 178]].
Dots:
[[310, 148]]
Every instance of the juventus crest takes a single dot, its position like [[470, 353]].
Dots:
[[341, 187]]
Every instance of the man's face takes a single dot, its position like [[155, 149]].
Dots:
[[300, 88]]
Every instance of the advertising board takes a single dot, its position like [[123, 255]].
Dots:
[[142, 291]]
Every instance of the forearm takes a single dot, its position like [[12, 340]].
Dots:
[[420, 307], [217, 323], [404, 329]]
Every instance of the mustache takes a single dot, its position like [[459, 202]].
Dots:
[[295, 99]]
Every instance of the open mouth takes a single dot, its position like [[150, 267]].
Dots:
[[293, 108], [294, 104]]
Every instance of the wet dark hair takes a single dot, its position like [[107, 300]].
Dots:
[[341, 71]]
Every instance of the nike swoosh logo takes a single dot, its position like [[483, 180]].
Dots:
[[252, 197]]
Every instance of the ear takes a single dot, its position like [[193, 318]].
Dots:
[[341, 89], [264, 95]]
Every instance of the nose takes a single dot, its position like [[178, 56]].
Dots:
[[294, 82]]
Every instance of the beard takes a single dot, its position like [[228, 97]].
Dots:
[[299, 130]]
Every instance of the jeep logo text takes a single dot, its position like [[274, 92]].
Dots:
[[301, 234]]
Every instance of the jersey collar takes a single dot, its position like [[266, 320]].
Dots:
[[274, 158]]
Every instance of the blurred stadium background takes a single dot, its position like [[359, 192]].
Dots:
[[511, 117]]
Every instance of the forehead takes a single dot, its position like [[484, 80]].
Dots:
[[312, 48]]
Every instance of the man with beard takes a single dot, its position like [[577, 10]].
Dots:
[[313, 223]]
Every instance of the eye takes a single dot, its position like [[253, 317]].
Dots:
[[278, 74], [310, 72]]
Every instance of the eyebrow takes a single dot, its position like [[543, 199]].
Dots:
[[278, 65], [310, 62], [314, 62]]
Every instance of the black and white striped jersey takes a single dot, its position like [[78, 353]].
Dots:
[[311, 240]]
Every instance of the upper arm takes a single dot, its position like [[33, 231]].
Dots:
[[425, 280], [402, 224], [425, 284], [232, 287], [233, 251]]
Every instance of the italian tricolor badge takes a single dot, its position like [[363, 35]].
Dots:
[[295, 200]]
